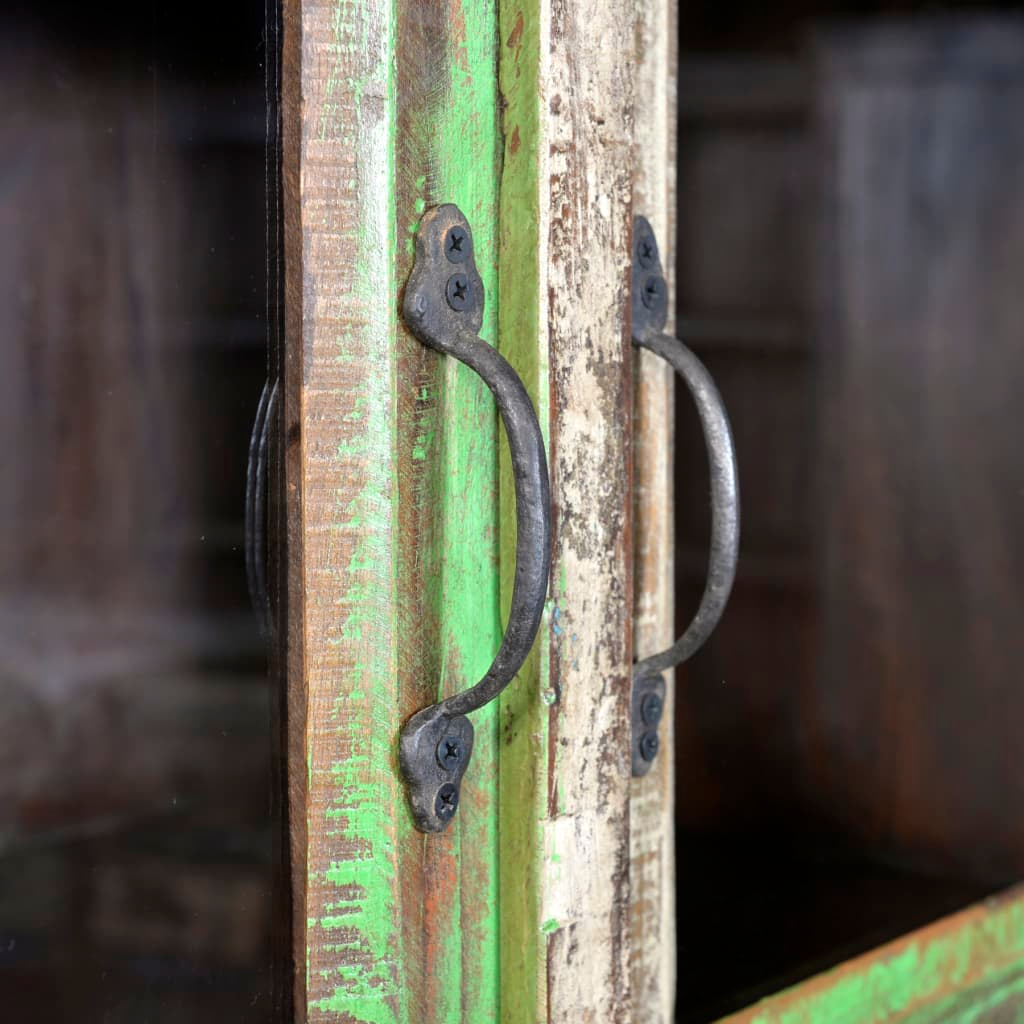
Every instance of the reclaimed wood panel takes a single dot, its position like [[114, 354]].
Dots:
[[566, 214], [967, 967], [391, 482], [651, 827]]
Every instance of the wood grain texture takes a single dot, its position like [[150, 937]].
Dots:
[[966, 968], [923, 366], [652, 846], [393, 591], [565, 223]]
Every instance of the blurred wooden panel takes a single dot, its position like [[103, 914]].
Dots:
[[163, 921], [134, 707], [131, 295], [746, 198], [919, 699], [747, 213], [861, 691], [108, 716]]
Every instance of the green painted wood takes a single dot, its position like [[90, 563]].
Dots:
[[464, 157], [525, 734], [389, 107], [396, 544], [968, 968]]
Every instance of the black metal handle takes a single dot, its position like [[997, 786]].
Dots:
[[443, 307], [650, 312]]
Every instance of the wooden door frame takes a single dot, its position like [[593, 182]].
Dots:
[[365, 100]]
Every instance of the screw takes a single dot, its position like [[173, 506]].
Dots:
[[458, 292], [653, 291], [650, 709], [418, 304], [447, 801], [646, 251], [457, 245], [449, 752], [649, 746]]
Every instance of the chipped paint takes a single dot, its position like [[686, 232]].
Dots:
[[565, 245], [651, 830], [965, 968], [397, 599]]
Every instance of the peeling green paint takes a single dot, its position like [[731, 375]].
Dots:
[[968, 968], [422, 436], [524, 713], [466, 163], [354, 965]]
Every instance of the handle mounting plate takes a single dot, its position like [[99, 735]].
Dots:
[[443, 306]]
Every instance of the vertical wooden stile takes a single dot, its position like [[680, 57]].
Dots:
[[566, 214], [394, 468], [652, 847], [389, 107]]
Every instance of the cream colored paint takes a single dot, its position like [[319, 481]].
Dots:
[[652, 841]]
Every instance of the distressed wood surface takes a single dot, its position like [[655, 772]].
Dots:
[[391, 479], [566, 212], [651, 830], [966, 968]]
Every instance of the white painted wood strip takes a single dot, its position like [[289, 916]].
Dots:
[[652, 848]]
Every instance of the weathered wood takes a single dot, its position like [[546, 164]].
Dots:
[[391, 473], [565, 220], [965, 967], [651, 828]]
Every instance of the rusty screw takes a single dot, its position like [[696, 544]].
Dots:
[[459, 292], [447, 801]]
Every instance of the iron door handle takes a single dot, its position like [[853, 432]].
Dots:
[[650, 312], [443, 307]]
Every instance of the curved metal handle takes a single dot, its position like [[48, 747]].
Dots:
[[650, 312], [256, 508], [443, 307]]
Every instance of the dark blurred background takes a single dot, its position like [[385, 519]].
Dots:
[[135, 838], [850, 249], [850, 258]]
